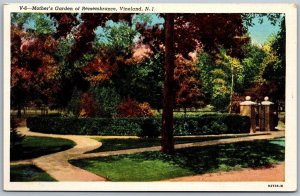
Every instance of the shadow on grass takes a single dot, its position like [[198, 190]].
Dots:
[[131, 143], [28, 173], [32, 147], [188, 161]]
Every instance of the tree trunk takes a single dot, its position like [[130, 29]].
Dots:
[[19, 114], [167, 142], [231, 91]]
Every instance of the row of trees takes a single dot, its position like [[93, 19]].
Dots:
[[91, 64]]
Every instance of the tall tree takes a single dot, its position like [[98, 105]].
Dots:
[[192, 31], [33, 65], [168, 92]]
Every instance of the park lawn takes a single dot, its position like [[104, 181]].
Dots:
[[130, 143], [28, 173], [32, 147], [154, 166]]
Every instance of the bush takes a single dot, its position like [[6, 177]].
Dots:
[[144, 127], [15, 139], [150, 128], [131, 108]]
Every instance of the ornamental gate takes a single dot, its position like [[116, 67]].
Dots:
[[261, 114]]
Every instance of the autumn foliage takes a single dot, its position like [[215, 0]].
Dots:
[[87, 105], [131, 108], [188, 86]]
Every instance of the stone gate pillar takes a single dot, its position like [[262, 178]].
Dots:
[[267, 114], [247, 108]]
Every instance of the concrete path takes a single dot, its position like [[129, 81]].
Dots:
[[57, 165], [250, 137]]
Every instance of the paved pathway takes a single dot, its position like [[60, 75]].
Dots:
[[186, 145], [57, 165]]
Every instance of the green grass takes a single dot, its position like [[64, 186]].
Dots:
[[279, 141], [28, 173], [130, 143], [32, 147], [153, 166]]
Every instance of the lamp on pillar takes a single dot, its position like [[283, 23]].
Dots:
[[247, 108]]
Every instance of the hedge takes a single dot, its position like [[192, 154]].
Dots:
[[196, 125]]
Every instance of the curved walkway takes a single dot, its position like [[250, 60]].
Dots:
[[57, 165]]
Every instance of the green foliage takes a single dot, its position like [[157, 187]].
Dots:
[[150, 128], [252, 64], [15, 138], [36, 23], [248, 18], [62, 51], [196, 125], [211, 124], [153, 166], [142, 81], [107, 100], [115, 39], [85, 126], [276, 72]]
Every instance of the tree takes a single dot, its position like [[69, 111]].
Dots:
[[233, 69], [168, 91], [142, 81], [107, 100], [277, 75], [187, 84], [87, 105], [33, 66], [252, 64]]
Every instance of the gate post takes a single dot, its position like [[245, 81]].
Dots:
[[247, 108], [268, 124]]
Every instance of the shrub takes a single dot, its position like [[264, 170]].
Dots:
[[15, 139], [150, 128], [131, 108], [144, 127]]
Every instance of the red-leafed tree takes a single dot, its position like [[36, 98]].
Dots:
[[33, 67], [187, 84], [87, 105]]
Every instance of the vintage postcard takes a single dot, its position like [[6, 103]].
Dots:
[[150, 97]]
